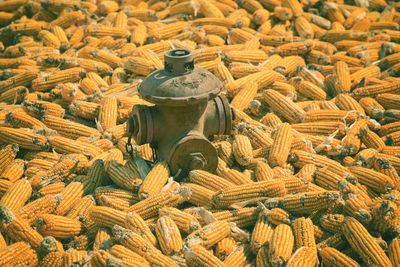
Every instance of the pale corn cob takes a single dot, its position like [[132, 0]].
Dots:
[[154, 180], [362, 242], [242, 217], [184, 221], [16, 196], [239, 193], [168, 235], [208, 235], [149, 207], [281, 145], [137, 244]]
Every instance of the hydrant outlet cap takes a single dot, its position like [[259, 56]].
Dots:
[[179, 61]]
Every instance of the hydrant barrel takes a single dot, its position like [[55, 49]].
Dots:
[[187, 111]]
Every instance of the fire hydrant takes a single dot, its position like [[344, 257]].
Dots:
[[187, 111]]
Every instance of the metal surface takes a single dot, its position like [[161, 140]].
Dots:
[[188, 110]]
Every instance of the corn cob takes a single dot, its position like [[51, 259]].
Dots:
[[261, 234], [239, 193], [208, 235], [49, 81], [201, 256], [135, 223], [375, 180], [332, 257], [303, 256], [7, 155], [149, 207], [282, 105], [137, 244], [184, 221], [200, 196], [18, 229], [281, 145], [362, 242], [154, 180], [45, 204], [303, 230], [126, 254], [234, 176], [281, 245], [16, 196], [168, 235], [242, 217]]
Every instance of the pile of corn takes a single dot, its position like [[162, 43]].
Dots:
[[309, 175]]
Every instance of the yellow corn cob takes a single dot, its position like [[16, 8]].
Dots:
[[304, 28], [234, 176], [23, 79], [16, 196], [263, 171], [126, 254], [18, 229], [262, 258], [85, 109], [69, 128], [281, 245], [149, 207], [101, 258], [208, 180], [239, 193], [46, 204], [168, 235], [362, 242], [49, 81], [303, 256], [70, 195], [114, 203], [281, 145], [284, 106], [51, 189], [198, 255], [332, 222], [139, 66], [302, 203], [244, 96], [375, 180], [141, 246], [41, 108], [225, 247], [240, 257], [107, 217], [242, 217], [7, 155], [21, 119], [14, 95], [81, 209], [371, 139], [184, 221], [332, 257], [303, 230], [154, 180], [242, 150], [108, 112], [14, 171], [49, 39], [66, 145], [200, 196], [209, 10], [135, 223], [394, 251], [256, 132], [374, 90], [123, 176], [14, 252], [262, 234], [389, 101]]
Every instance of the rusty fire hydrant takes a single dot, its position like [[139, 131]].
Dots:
[[187, 111]]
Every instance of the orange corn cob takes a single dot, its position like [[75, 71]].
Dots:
[[128, 255], [154, 180], [281, 145], [168, 235], [281, 245], [16, 196], [262, 234]]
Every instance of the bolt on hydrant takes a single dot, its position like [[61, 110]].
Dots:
[[187, 111]]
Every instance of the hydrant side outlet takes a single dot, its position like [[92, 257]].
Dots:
[[187, 111]]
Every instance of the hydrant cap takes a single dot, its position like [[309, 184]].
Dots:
[[179, 83]]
